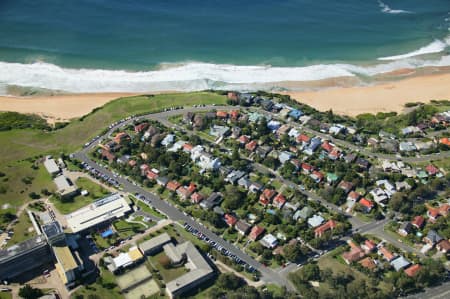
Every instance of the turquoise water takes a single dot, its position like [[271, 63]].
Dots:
[[212, 43]]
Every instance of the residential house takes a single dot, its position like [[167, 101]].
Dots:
[[443, 246], [234, 176], [295, 114], [196, 197], [317, 176], [243, 139], [307, 168], [168, 140], [400, 263], [405, 229], [279, 201], [162, 181], [244, 182], [431, 170], [151, 175], [368, 263], [222, 114], [284, 156], [349, 158], [406, 146], [236, 132], [213, 200], [121, 137], [173, 186], [219, 131], [251, 146], [108, 155], [362, 163], [353, 196], [346, 186], [355, 254], [418, 222], [255, 187], [314, 143], [315, 220], [263, 151], [304, 213], [302, 138], [368, 246], [329, 225], [242, 227], [432, 237], [332, 178], [412, 271], [283, 130], [230, 220], [366, 204], [141, 127], [266, 197], [269, 241], [256, 232], [387, 255]]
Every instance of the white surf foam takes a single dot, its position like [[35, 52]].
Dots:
[[386, 9], [436, 46], [188, 77]]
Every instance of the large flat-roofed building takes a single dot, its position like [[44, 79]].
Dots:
[[23, 258], [66, 265], [111, 207], [64, 187], [53, 233], [200, 271], [51, 166], [154, 245]]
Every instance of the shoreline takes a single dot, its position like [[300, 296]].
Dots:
[[345, 95]]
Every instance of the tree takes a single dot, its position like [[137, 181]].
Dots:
[[309, 272], [229, 281], [234, 198], [164, 261], [28, 292], [292, 252]]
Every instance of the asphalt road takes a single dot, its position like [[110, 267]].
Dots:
[[268, 275]]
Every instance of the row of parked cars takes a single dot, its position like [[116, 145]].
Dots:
[[97, 174], [218, 247]]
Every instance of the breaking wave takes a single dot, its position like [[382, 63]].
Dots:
[[436, 46], [386, 9], [189, 76]]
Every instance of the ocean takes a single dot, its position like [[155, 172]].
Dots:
[[141, 45]]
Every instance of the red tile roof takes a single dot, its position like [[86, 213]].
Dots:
[[151, 175], [256, 232], [368, 263], [251, 146], [244, 139], [370, 245], [307, 167], [353, 195], [222, 114], [279, 200], [173, 185], [303, 138], [445, 141], [230, 220], [330, 224], [418, 221], [386, 254], [141, 127], [234, 114], [366, 203], [196, 197], [327, 146], [187, 147], [431, 169], [412, 270]]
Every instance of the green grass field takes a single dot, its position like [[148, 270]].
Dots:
[[95, 192], [22, 230], [167, 274], [105, 287], [145, 208], [29, 142]]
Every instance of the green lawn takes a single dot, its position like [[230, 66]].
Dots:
[[29, 142], [125, 229], [5, 295], [19, 180], [167, 274], [22, 230], [104, 287], [95, 190], [145, 208]]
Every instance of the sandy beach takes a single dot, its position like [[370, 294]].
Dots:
[[383, 97], [343, 99], [58, 107]]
